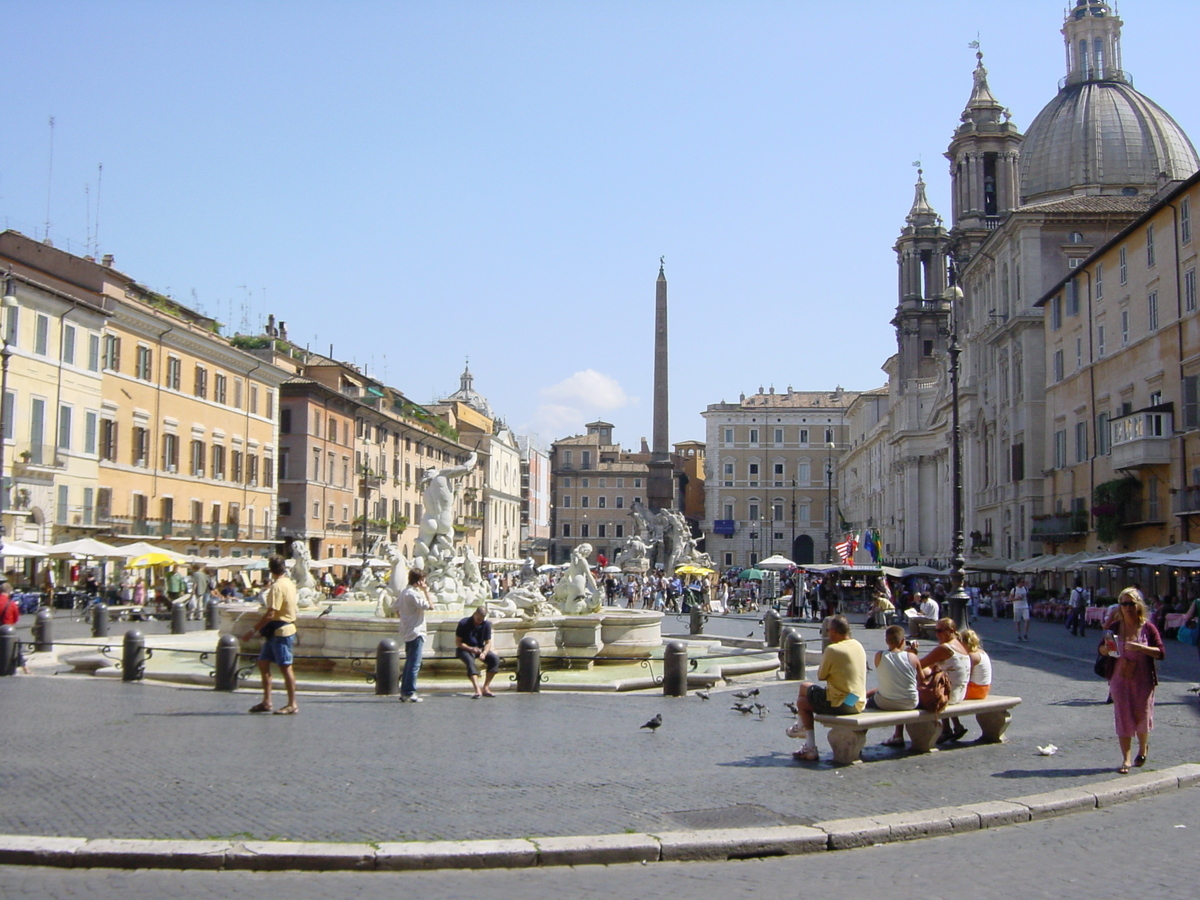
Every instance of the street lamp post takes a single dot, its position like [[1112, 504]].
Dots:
[[10, 300], [792, 553], [957, 599], [829, 504]]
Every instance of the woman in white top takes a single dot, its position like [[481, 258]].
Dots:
[[899, 674], [952, 658], [979, 682]]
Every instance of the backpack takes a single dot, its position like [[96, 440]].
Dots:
[[934, 695]]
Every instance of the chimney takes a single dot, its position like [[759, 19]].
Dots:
[[107, 260], [283, 331], [645, 446], [271, 332]]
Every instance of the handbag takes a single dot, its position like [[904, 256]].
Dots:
[[271, 627], [934, 695], [1188, 634]]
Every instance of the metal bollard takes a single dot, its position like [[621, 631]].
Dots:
[[212, 614], [696, 620], [178, 617], [771, 625], [8, 650], [43, 631], [100, 619], [794, 657], [387, 667], [529, 666], [227, 663], [675, 665], [133, 656]]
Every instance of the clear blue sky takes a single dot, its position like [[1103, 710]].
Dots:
[[417, 183]]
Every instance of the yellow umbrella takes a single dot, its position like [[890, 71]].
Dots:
[[689, 569], [154, 559]]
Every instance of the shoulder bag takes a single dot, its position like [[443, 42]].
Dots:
[[934, 695]]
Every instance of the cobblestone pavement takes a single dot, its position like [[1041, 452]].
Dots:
[[1068, 857], [91, 757]]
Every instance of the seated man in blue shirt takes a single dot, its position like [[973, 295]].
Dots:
[[473, 638]]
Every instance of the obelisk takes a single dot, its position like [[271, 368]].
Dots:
[[660, 491]]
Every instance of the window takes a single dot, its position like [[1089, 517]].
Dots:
[[1185, 220], [235, 466], [93, 353], [753, 512], [584, 501], [1056, 312], [200, 384], [237, 393], [142, 367], [1103, 440], [220, 383], [198, 455], [254, 400], [779, 435], [108, 440], [1073, 297], [1189, 290], [620, 530], [566, 458], [10, 324], [139, 446], [1017, 473], [218, 462], [270, 404], [1081, 442], [91, 426], [829, 435], [753, 474], [331, 430], [268, 470], [1060, 448], [89, 506], [1150, 245], [174, 372], [170, 453], [1152, 310], [1078, 353], [1191, 401], [754, 435], [68, 345], [63, 504], [584, 530], [637, 482], [64, 427], [252, 470], [804, 435], [1124, 327], [585, 459], [566, 529], [777, 512], [728, 469], [1099, 281], [112, 352], [803, 473], [620, 503], [728, 435], [1099, 340], [601, 501], [1122, 266], [1058, 365], [41, 337]]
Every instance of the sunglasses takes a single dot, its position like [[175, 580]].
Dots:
[[1128, 603]]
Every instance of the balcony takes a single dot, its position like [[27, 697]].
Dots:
[[144, 526], [1141, 439], [1186, 501], [1060, 528]]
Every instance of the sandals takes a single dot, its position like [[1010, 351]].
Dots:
[[287, 711], [894, 742], [958, 733], [807, 755], [260, 708], [1139, 760], [1124, 770]]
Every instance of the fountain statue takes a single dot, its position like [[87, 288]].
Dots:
[[308, 593], [577, 593]]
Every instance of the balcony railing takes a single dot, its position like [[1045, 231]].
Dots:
[[1059, 529], [1141, 439], [1186, 501]]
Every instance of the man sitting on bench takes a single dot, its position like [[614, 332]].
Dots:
[[844, 670]]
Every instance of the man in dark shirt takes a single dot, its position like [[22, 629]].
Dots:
[[473, 638]]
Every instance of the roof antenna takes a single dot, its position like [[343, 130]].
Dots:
[[49, 179]]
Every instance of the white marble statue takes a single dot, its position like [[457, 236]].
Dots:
[[577, 593], [388, 594], [435, 539], [308, 592], [633, 557]]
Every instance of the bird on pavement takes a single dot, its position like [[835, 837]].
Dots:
[[751, 634], [742, 708], [753, 693], [791, 707], [762, 708], [703, 695], [654, 723], [742, 695]]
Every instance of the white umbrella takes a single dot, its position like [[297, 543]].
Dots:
[[775, 562], [611, 570], [22, 550], [141, 548], [85, 548]]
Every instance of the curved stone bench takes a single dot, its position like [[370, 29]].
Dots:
[[848, 734]]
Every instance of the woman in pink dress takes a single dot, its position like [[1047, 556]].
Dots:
[[1135, 676]]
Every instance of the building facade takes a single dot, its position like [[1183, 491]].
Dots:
[[535, 500]]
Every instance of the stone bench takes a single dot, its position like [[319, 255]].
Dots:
[[848, 734]]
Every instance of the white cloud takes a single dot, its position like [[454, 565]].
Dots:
[[574, 401]]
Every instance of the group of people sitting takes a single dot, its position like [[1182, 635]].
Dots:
[[901, 672]]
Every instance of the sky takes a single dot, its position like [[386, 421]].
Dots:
[[418, 184]]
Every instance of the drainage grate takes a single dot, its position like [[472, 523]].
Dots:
[[743, 815]]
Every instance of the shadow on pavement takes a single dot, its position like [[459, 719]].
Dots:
[[1050, 773]]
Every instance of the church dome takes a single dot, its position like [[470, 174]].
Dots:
[[1102, 137], [1099, 135]]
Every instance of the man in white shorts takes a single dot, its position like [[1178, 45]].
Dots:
[[1020, 609]]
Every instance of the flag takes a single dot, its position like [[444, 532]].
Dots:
[[846, 548], [868, 543]]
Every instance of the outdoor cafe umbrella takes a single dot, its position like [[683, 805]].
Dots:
[[153, 559], [776, 562], [750, 575], [689, 569], [84, 548], [22, 550]]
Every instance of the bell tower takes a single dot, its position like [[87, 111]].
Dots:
[[984, 173], [922, 315]]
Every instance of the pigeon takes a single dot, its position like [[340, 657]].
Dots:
[[762, 708], [753, 693], [751, 634], [791, 707], [744, 710], [703, 695], [1048, 750], [326, 611], [742, 695], [1194, 689], [654, 723]]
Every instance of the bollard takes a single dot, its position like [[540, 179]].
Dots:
[[529, 666], [227, 663], [794, 653], [675, 664], [212, 614], [387, 667], [43, 631], [771, 626], [133, 656], [8, 650], [696, 620], [178, 617], [100, 619]]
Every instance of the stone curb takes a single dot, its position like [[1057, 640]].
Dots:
[[602, 849]]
